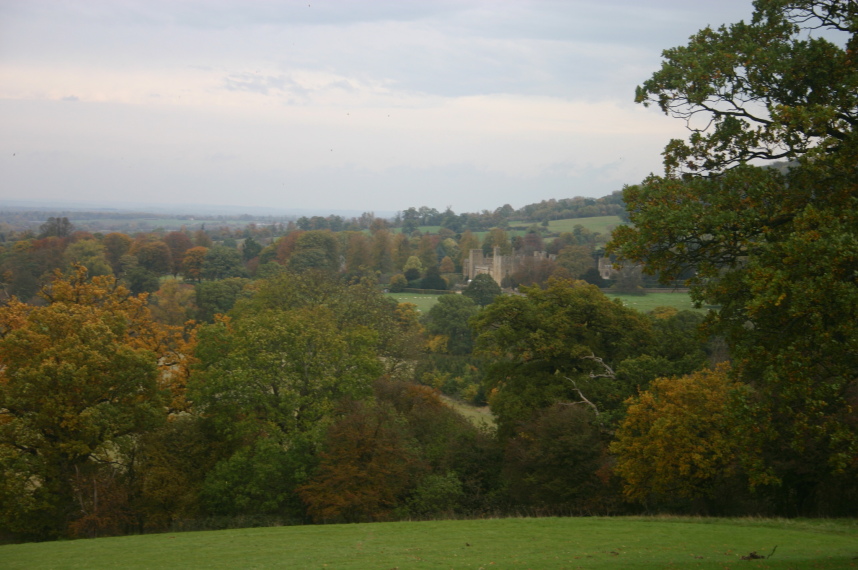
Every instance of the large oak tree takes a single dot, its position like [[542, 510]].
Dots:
[[79, 375], [776, 249]]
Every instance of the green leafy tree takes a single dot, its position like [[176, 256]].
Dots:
[[172, 303], [497, 238], [56, 227], [353, 305], [268, 385], [461, 462], [217, 297], [483, 290], [250, 249], [576, 259], [554, 459], [296, 346], [467, 242], [257, 480], [449, 317], [433, 279], [138, 279], [775, 249], [169, 468], [413, 268], [382, 257], [202, 239], [221, 262], [315, 250], [90, 254], [629, 281], [558, 344]]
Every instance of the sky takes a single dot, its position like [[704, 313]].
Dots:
[[334, 105]]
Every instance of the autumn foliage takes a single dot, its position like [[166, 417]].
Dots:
[[676, 439], [78, 376]]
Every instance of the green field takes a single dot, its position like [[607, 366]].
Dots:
[[601, 224], [648, 302], [545, 543], [509, 234], [424, 302]]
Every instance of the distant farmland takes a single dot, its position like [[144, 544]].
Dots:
[[601, 224], [145, 223]]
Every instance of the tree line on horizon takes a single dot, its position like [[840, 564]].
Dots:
[[205, 258], [19, 223]]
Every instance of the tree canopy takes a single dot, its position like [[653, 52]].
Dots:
[[482, 290], [775, 249], [548, 343], [78, 375]]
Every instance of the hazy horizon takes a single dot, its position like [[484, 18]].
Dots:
[[334, 105]]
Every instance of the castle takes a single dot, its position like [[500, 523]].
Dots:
[[497, 266]]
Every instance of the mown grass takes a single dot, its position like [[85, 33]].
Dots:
[[645, 303], [545, 543], [424, 301]]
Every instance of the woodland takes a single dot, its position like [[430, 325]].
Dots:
[[224, 377]]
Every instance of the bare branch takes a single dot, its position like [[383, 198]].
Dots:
[[584, 399], [609, 373]]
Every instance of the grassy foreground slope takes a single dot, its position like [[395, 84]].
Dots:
[[593, 543]]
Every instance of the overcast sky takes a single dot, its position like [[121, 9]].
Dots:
[[372, 105]]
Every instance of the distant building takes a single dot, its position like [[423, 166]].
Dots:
[[606, 268], [497, 266]]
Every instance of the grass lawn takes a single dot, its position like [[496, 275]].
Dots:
[[424, 301], [650, 301], [543, 543]]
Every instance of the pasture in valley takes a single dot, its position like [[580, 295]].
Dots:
[[424, 301], [645, 303]]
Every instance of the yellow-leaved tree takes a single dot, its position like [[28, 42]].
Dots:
[[676, 440]]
